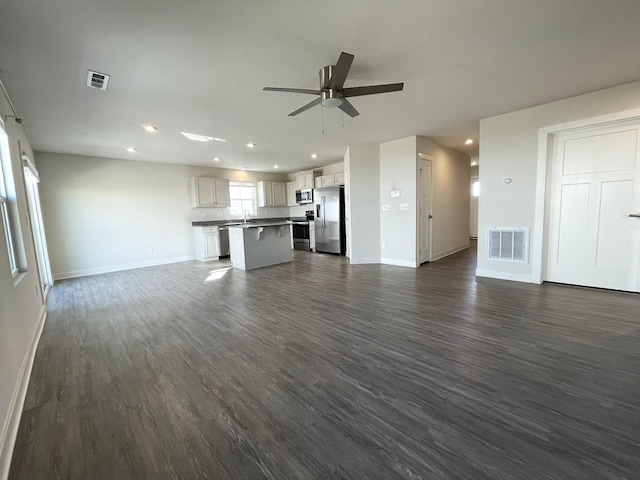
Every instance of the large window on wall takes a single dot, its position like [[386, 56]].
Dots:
[[9, 207], [243, 198]]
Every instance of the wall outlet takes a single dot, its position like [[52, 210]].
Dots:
[[220, 214], [149, 249], [404, 206], [204, 214], [386, 207], [384, 245]]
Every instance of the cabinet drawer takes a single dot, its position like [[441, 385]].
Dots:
[[210, 230]]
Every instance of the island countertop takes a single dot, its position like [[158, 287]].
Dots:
[[235, 222], [260, 224]]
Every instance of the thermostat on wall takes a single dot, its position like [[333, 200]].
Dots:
[[395, 193]]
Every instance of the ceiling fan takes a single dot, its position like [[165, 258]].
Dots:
[[332, 92]]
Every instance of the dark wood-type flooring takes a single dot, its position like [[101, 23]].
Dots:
[[321, 370]]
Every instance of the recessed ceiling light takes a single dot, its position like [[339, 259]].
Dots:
[[217, 139], [276, 166], [469, 141], [131, 149], [216, 159], [314, 155], [251, 145], [197, 138], [150, 128]]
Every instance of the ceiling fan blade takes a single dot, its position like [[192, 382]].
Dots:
[[340, 71], [372, 89], [306, 107], [349, 109], [292, 90]]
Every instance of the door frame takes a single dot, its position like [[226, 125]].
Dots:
[[540, 237], [426, 158]]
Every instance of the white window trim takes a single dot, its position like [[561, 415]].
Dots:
[[253, 185]]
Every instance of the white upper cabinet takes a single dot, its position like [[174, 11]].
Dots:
[[209, 192], [291, 194], [272, 194], [332, 180], [305, 180]]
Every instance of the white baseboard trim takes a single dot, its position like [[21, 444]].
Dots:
[[10, 428], [514, 277], [451, 251], [124, 266], [398, 263], [364, 260]]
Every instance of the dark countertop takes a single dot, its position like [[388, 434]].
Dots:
[[222, 223]]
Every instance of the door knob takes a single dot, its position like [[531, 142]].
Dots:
[[430, 216]]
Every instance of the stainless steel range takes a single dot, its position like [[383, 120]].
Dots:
[[300, 226]]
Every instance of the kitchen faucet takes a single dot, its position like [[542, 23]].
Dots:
[[246, 215]]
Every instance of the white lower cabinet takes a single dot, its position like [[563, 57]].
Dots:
[[207, 243]]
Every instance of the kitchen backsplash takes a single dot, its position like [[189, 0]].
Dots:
[[200, 214]]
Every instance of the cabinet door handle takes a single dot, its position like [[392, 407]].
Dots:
[[634, 215]]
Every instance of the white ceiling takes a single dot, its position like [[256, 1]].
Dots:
[[200, 65]]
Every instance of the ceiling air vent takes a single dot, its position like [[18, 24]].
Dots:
[[97, 80], [509, 243]]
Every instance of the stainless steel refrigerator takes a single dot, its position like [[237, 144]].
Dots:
[[329, 221]]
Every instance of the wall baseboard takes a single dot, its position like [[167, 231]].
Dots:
[[514, 277], [10, 429], [450, 251], [398, 263], [364, 260], [118, 268]]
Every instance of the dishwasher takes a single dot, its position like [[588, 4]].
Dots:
[[224, 241]]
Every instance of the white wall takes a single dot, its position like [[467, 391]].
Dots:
[[362, 162], [103, 215], [509, 149], [21, 308], [450, 198], [398, 164]]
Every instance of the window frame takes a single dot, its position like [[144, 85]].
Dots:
[[234, 184], [8, 203]]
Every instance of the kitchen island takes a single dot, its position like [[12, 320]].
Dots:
[[255, 245]]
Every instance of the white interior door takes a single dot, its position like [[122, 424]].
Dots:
[[424, 212], [473, 208], [594, 237]]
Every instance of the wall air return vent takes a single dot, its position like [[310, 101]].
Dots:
[[509, 243], [97, 80]]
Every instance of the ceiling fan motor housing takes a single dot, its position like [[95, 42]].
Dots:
[[330, 97]]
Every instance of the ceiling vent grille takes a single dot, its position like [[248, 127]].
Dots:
[[97, 80], [509, 243]]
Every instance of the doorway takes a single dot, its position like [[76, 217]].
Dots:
[[31, 180], [473, 208], [424, 209], [594, 207]]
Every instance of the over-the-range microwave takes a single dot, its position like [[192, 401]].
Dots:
[[304, 196]]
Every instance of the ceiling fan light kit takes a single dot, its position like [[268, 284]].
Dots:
[[332, 92]]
